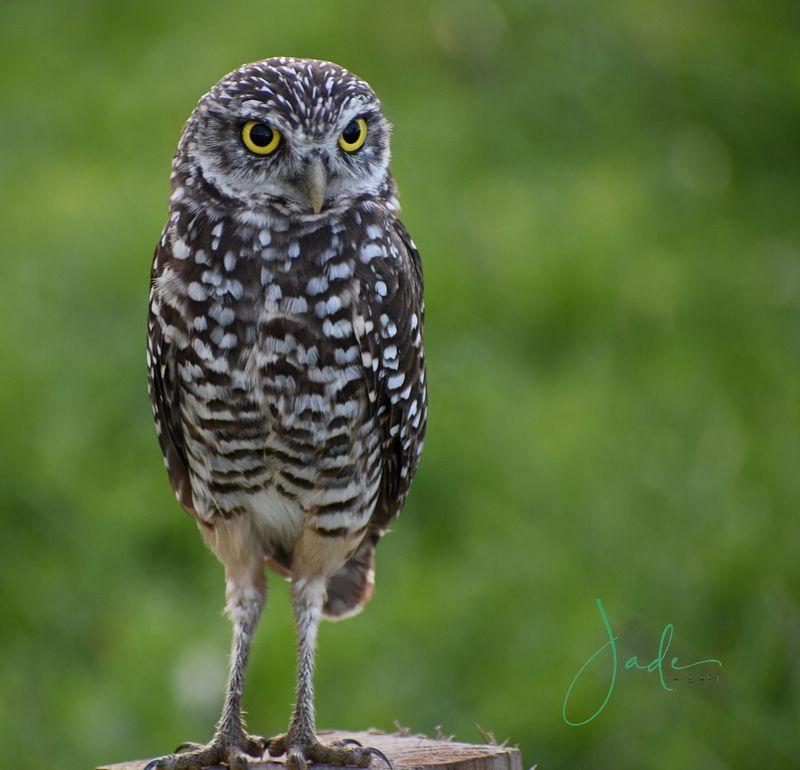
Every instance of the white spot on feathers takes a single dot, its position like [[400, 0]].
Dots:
[[180, 250], [197, 292], [395, 381], [369, 251], [317, 285]]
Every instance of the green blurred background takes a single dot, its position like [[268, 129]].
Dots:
[[607, 200]]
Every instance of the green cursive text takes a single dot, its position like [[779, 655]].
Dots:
[[657, 664]]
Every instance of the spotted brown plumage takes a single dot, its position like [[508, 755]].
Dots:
[[285, 358]]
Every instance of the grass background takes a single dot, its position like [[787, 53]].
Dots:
[[606, 198]]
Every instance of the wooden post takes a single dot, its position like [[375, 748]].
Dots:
[[406, 752]]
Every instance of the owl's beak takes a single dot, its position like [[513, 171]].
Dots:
[[315, 181]]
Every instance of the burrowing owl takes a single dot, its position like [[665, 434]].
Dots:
[[285, 360]]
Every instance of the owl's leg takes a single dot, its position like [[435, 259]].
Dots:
[[300, 744], [246, 594]]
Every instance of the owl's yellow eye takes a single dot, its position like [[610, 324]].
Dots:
[[260, 138], [354, 135]]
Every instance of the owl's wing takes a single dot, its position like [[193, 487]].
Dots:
[[401, 389], [165, 395], [398, 397]]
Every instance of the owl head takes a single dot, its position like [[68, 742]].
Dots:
[[299, 137]]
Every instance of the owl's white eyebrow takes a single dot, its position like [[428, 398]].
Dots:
[[347, 115], [271, 120]]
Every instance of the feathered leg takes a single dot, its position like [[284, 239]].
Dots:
[[246, 594], [300, 743]]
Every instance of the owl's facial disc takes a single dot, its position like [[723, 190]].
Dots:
[[301, 139]]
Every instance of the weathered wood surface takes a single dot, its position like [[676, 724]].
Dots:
[[406, 752]]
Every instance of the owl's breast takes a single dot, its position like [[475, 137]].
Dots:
[[275, 403]]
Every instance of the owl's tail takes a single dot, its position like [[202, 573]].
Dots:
[[352, 586]]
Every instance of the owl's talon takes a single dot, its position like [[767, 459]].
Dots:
[[254, 745], [299, 755], [229, 749], [236, 760], [347, 742], [277, 746], [380, 755], [188, 746], [296, 760]]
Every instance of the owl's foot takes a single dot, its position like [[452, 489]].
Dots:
[[300, 752], [229, 750]]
